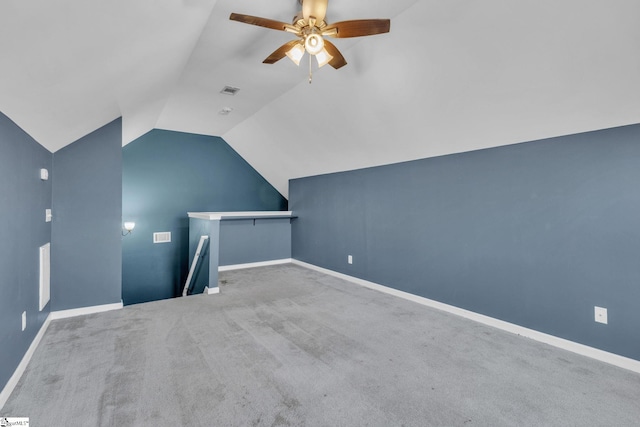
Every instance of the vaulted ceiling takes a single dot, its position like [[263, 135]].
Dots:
[[451, 76]]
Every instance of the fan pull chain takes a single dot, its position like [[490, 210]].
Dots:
[[310, 73]]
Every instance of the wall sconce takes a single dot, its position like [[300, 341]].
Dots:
[[128, 227]]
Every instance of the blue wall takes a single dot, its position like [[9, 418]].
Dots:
[[165, 175], [233, 242], [536, 234], [86, 253], [23, 200], [244, 241]]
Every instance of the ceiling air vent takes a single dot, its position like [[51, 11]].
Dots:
[[230, 90]]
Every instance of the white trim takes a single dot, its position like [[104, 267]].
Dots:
[[584, 350], [211, 291], [196, 258], [44, 278], [240, 215], [63, 314], [255, 264], [22, 366]]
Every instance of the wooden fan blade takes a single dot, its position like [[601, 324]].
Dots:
[[280, 52], [263, 22], [357, 28], [338, 60], [315, 8]]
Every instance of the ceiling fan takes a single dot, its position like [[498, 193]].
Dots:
[[311, 28]]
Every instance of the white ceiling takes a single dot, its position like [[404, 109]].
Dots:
[[451, 76]]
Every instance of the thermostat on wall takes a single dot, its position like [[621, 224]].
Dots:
[[44, 174]]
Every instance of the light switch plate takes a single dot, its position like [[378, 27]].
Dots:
[[44, 174], [47, 215]]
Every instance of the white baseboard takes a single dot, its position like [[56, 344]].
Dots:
[[211, 291], [22, 366], [63, 314], [574, 347], [255, 264]]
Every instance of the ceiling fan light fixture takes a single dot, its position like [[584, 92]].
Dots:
[[323, 58], [331, 32], [314, 43], [310, 26], [296, 53]]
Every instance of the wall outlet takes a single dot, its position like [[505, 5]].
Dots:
[[47, 215], [601, 315], [350, 259], [24, 320]]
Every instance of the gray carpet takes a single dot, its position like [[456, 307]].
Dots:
[[287, 346]]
